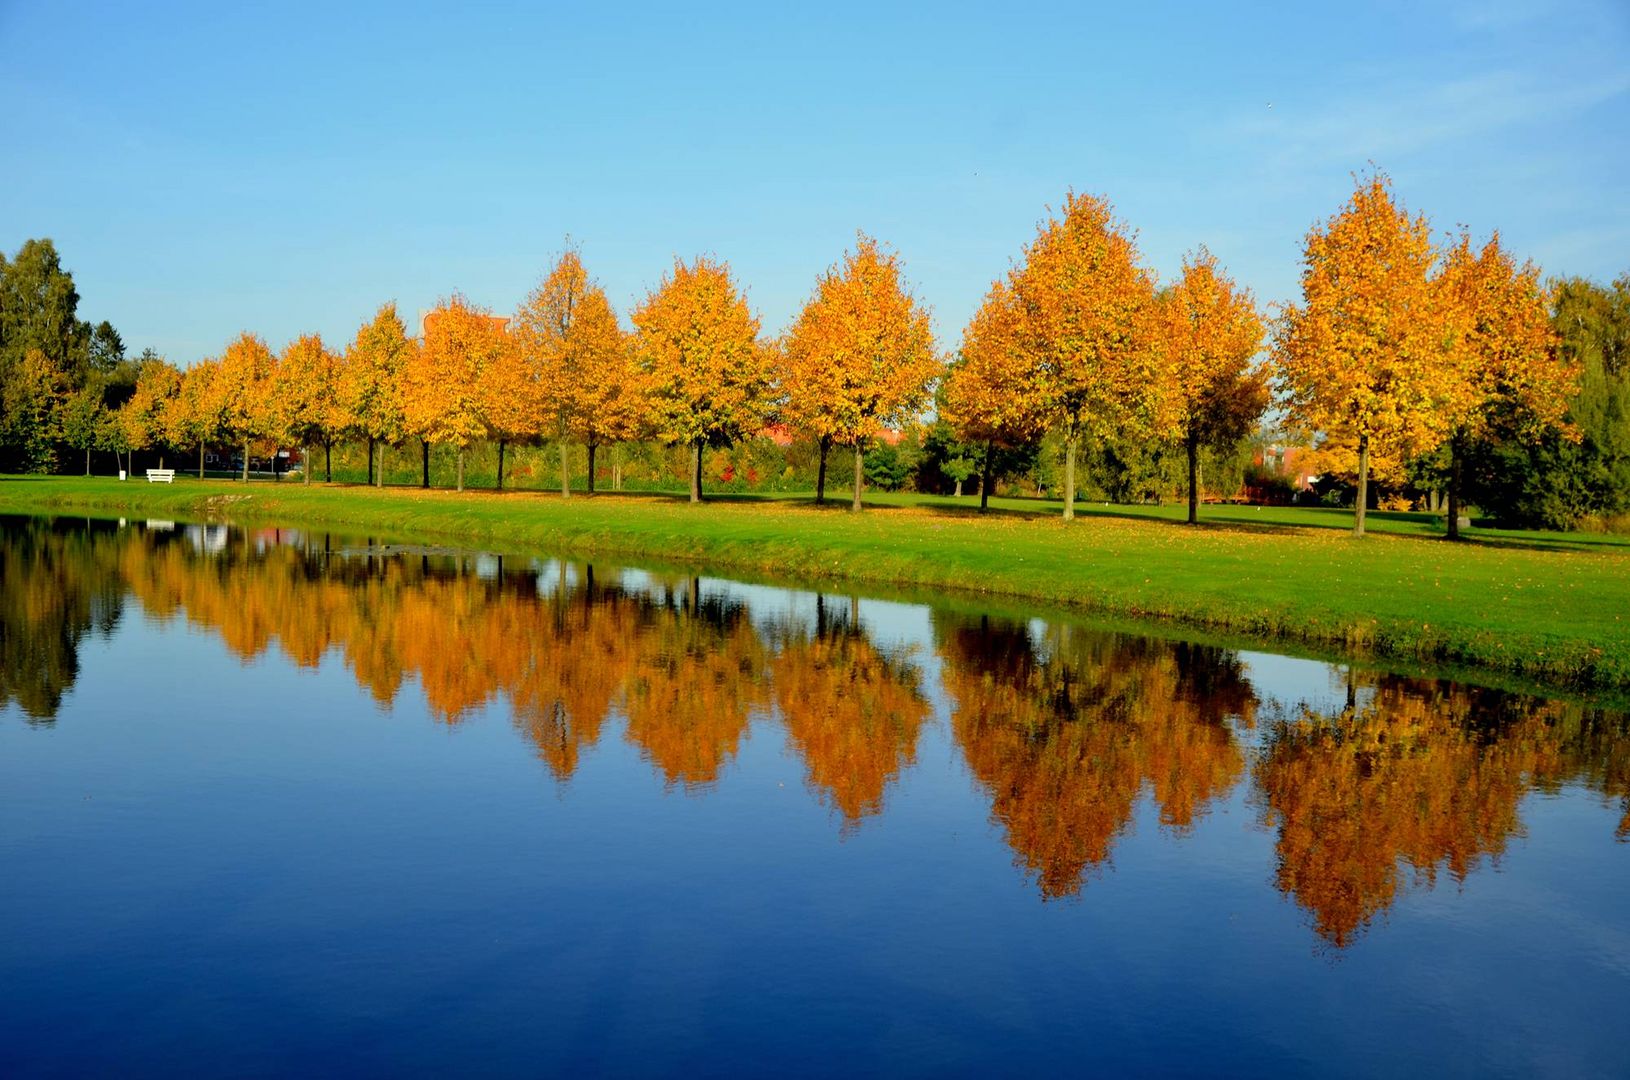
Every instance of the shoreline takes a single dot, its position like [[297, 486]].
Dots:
[[1548, 617]]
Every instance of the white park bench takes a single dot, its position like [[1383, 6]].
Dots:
[[161, 476]]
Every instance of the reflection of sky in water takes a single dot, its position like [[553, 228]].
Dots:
[[252, 863]]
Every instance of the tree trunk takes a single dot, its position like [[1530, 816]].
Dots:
[[591, 448], [200, 459], [958, 493], [985, 481], [820, 474], [370, 461], [1069, 474], [616, 467], [565, 472], [424, 463], [1363, 485], [860, 475], [246, 461], [328, 462], [87, 460], [1193, 446], [305, 464], [696, 475], [461, 468], [381, 472], [1454, 488], [500, 464]]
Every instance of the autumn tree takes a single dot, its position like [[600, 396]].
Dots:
[[510, 400], [142, 416], [302, 393], [194, 416], [442, 396], [992, 395], [859, 358], [1364, 360], [569, 336], [614, 405], [1210, 332], [240, 392], [1084, 305], [707, 375], [370, 384], [1508, 357]]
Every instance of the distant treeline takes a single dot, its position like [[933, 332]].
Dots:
[[1411, 370]]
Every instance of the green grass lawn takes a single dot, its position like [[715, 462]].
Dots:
[[1553, 607]]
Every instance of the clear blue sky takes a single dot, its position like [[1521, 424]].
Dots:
[[205, 170]]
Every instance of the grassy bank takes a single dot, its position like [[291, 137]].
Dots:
[[1548, 607]]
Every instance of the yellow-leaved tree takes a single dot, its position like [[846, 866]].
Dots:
[[569, 337], [991, 393], [1085, 305], [614, 406], [1365, 362], [442, 389], [303, 386], [370, 385], [859, 358], [239, 392], [1507, 352], [707, 375], [141, 418], [1210, 332], [193, 416], [510, 400]]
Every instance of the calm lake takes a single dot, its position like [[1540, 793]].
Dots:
[[275, 801]]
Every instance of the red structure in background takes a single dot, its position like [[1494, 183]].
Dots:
[[1281, 473]]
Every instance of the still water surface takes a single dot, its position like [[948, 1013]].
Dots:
[[277, 802]]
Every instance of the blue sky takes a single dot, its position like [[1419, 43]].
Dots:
[[205, 169]]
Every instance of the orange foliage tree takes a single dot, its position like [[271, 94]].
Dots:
[[141, 418], [1084, 305], [442, 400], [1365, 360], [991, 393], [303, 386], [194, 417], [370, 385], [859, 358], [1507, 349], [578, 360], [1210, 330], [240, 392], [707, 375]]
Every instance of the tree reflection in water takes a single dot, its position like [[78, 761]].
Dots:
[[1064, 729]]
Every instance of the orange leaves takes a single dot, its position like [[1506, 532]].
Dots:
[[861, 355], [302, 390], [991, 390], [1084, 304], [1210, 331], [441, 389], [1364, 357], [1505, 349], [371, 377], [574, 355], [238, 393], [707, 374]]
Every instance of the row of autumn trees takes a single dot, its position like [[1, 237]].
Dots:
[[1399, 349], [1066, 731]]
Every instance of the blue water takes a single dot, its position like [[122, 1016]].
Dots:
[[805, 834]]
